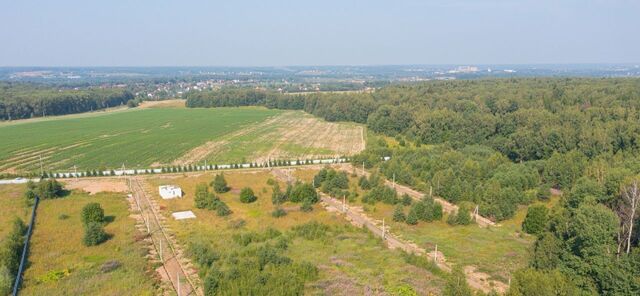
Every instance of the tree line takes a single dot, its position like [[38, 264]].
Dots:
[[20, 101]]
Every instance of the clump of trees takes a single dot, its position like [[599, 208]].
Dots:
[[299, 192], [207, 200], [255, 266], [93, 220], [10, 252], [45, 189], [21, 100]]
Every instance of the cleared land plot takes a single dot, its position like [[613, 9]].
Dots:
[[151, 137], [57, 251], [497, 251], [12, 205], [351, 262]]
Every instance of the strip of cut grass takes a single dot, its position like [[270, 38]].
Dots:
[[56, 246]]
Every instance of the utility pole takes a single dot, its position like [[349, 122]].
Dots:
[[383, 232], [161, 259], [363, 167], [41, 169], [75, 171], [430, 191]]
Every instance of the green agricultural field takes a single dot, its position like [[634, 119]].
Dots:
[[152, 137], [60, 264], [350, 260]]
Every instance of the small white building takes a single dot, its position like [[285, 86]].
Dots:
[[170, 191]]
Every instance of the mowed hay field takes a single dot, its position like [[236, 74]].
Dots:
[[350, 260], [170, 135], [57, 248]]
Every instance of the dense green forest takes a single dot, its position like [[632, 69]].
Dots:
[[502, 144], [19, 101]]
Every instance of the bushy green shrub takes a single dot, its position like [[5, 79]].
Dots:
[[94, 234], [92, 213], [219, 184], [398, 214], [278, 212], [247, 195], [536, 219]]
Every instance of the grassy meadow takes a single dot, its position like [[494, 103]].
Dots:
[[350, 260], [497, 251], [60, 264], [12, 205]]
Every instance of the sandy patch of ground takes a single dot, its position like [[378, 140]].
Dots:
[[177, 103], [93, 186]]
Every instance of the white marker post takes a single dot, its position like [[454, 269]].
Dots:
[[178, 280], [435, 255]]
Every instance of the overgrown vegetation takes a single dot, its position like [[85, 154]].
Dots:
[[256, 266], [207, 200], [10, 253]]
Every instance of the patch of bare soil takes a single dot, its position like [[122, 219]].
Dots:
[[177, 103], [93, 186]]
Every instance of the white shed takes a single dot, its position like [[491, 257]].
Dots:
[[170, 191]]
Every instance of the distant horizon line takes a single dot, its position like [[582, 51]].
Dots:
[[637, 64]]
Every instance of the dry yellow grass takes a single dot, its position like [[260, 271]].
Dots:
[[12, 205], [56, 245], [350, 263]]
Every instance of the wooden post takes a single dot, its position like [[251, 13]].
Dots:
[[344, 203], [178, 280], [435, 255], [394, 180]]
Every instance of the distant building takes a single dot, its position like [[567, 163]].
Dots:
[[170, 192]]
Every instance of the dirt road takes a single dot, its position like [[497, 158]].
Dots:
[[416, 195], [355, 215], [173, 269]]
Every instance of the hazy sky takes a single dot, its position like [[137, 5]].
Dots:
[[322, 32]]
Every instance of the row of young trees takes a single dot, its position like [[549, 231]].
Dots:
[[19, 101]]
